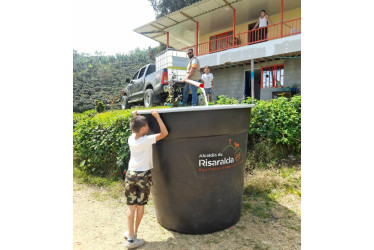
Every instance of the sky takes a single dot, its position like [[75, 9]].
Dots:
[[107, 26]]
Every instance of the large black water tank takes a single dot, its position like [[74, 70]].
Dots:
[[198, 172]]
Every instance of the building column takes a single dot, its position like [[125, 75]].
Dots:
[[233, 25], [252, 80], [281, 18], [197, 39]]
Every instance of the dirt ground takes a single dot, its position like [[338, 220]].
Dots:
[[100, 220]]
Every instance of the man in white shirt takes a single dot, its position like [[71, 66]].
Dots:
[[138, 179], [193, 73]]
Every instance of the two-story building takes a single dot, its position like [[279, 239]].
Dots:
[[244, 61]]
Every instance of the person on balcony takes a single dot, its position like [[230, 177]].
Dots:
[[262, 23], [193, 73]]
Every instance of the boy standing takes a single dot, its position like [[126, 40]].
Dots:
[[138, 179]]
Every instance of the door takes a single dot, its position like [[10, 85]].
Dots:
[[130, 86], [257, 83], [138, 84], [251, 34]]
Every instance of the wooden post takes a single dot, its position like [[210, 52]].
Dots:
[[167, 40]]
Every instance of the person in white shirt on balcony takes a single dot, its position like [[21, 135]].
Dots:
[[262, 23]]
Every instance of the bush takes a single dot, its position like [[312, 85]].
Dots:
[[274, 128], [101, 148], [77, 117], [100, 143], [279, 122], [100, 107], [222, 99]]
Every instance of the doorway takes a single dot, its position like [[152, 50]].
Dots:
[[251, 35], [257, 83]]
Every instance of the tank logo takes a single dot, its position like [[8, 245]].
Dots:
[[231, 156]]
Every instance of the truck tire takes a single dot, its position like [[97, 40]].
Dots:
[[125, 102], [149, 98]]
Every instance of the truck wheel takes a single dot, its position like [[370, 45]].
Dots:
[[149, 98], [125, 102]]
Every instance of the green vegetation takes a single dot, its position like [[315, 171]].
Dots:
[[224, 100], [101, 149], [274, 130], [164, 7], [113, 188], [265, 189], [101, 77], [100, 142], [100, 107], [279, 122]]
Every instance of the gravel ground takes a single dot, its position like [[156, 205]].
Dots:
[[100, 220]]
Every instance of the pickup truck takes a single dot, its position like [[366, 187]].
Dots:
[[149, 86]]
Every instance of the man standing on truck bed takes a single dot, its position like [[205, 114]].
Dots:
[[193, 73]]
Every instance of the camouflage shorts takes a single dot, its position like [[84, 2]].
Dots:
[[138, 187]]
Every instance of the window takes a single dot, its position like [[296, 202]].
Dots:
[[135, 76], [141, 74], [220, 42], [272, 76], [151, 69]]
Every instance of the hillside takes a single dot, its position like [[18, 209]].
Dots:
[[101, 77]]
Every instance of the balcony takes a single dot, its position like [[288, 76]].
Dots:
[[271, 32]]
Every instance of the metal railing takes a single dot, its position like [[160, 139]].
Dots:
[[271, 32]]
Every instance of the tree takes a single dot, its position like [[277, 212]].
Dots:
[[164, 7]]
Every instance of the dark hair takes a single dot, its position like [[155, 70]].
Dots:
[[206, 66], [190, 49], [137, 123], [263, 11]]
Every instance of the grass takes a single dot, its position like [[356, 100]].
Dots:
[[267, 188], [113, 188]]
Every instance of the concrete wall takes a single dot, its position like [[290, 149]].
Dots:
[[292, 73], [259, 50], [230, 81], [292, 77]]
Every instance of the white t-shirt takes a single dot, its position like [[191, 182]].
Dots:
[[263, 22], [207, 80], [141, 152]]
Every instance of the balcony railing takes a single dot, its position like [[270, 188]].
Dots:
[[271, 32]]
